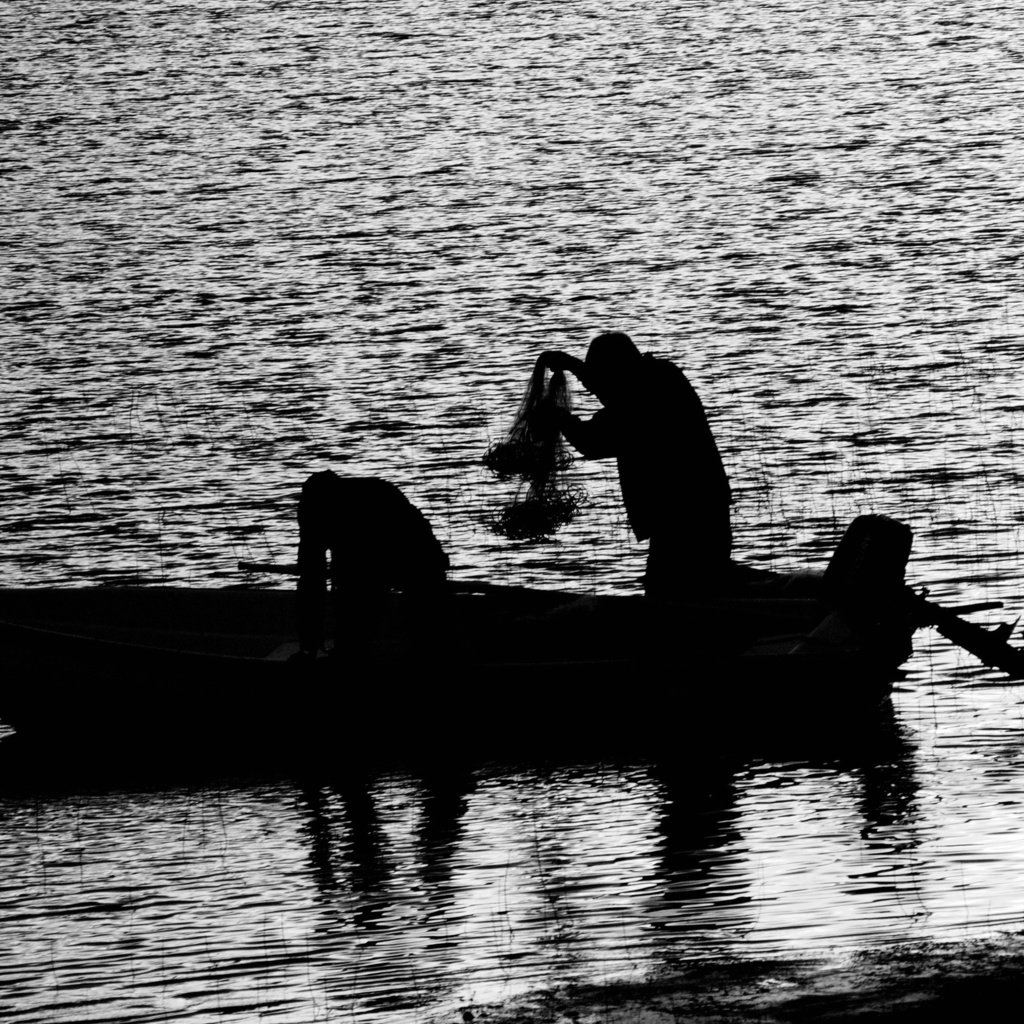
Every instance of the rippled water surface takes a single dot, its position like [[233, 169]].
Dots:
[[244, 242]]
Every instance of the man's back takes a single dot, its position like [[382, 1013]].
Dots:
[[371, 529], [668, 461]]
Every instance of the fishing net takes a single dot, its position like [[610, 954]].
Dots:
[[534, 453]]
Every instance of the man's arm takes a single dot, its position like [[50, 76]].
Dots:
[[311, 587], [593, 439], [556, 361]]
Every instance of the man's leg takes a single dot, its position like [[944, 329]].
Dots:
[[691, 557]]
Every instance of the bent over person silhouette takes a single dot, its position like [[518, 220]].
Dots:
[[378, 542], [674, 485]]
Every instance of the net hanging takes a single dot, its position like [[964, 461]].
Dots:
[[534, 452]]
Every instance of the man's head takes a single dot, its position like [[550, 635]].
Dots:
[[612, 360]]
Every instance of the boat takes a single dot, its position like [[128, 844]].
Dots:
[[484, 668]]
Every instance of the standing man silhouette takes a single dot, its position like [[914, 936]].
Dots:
[[674, 486]]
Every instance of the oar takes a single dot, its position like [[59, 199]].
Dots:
[[278, 568], [991, 646], [457, 586]]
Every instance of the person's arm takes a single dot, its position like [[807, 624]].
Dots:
[[556, 361], [593, 439], [311, 587]]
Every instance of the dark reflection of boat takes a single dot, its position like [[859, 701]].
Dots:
[[888, 783], [700, 846], [574, 863], [350, 809], [486, 670], [711, 886], [381, 850], [444, 796], [346, 838]]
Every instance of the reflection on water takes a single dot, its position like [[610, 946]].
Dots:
[[395, 895], [391, 895]]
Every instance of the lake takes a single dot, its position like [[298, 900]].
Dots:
[[247, 242]]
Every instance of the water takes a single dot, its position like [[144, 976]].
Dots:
[[247, 242]]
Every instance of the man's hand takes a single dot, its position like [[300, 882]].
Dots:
[[556, 361]]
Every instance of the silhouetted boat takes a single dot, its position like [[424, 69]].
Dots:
[[487, 667]]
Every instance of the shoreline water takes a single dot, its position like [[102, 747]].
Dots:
[[911, 983]]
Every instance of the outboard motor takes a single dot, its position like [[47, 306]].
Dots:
[[870, 561], [864, 585]]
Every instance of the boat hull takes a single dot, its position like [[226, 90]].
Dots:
[[503, 672]]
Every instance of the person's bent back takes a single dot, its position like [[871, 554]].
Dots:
[[377, 542]]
